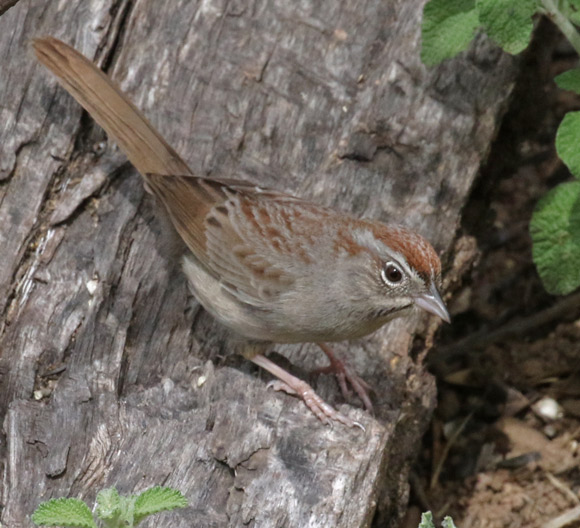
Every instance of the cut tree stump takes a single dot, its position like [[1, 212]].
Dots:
[[110, 372]]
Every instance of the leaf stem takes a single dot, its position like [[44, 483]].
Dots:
[[552, 10]]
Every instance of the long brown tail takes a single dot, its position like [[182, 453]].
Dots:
[[143, 145]]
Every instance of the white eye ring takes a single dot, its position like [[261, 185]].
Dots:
[[391, 273]]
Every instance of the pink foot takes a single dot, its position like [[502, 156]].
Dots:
[[343, 375], [324, 412], [292, 385]]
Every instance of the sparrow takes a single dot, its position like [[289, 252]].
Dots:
[[269, 266]]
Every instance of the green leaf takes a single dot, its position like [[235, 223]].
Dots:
[[109, 504], [448, 523], [568, 142], [555, 230], [448, 28], [571, 10], [157, 499], [569, 80], [426, 520], [70, 513], [508, 22]]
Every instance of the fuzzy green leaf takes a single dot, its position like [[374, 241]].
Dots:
[[569, 80], [572, 10], [157, 499], [108, 504], [568, 142], [426, 520], [70, 513], [555, 230], [448, 523], [508, 22], [448, 28]]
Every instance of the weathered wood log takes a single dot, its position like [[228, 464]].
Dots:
[[110, 373]]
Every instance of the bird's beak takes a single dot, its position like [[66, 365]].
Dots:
[[432, 303]]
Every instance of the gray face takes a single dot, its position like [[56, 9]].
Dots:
[[398, 286]]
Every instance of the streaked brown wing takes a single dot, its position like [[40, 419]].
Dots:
[[242, 234]]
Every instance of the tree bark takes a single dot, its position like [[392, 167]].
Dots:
[[110, 373]]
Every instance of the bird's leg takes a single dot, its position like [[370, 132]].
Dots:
[[295, 386], [343, 375]]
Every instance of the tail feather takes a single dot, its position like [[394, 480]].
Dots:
[[143, 145]]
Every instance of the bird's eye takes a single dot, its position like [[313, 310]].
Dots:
[[391, 273]]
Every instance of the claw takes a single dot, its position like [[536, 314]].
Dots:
[[292, 385], [344, 374]]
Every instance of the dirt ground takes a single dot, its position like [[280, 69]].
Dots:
[[503, 446]]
